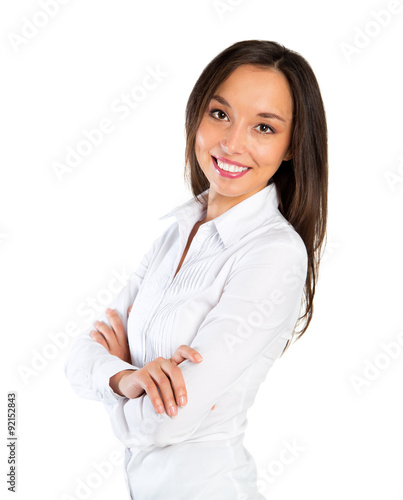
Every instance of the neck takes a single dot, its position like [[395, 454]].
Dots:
[[217, 203]]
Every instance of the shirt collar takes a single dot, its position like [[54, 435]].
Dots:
[[235, 222]]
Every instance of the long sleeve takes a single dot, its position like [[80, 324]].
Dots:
[[89, 365], [259, 306]]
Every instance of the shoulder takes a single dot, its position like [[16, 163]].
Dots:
[[274, 259], [167, 235], [276, 242]]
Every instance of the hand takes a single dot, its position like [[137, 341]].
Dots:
[[159, 376], [178, 358], [113, 339], [131, 383]]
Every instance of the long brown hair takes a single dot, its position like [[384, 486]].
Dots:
[[302, 181]]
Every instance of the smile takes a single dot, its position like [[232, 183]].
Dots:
[[228, 169]]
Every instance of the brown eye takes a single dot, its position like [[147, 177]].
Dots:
[[218, 114], [267, 129]]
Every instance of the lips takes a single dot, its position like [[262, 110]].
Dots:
[[225, 173]]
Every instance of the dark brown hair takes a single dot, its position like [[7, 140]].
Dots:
[[302, 181]]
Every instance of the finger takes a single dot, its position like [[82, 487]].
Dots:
[[213, 407], [186, 352], [164, 384], [99, 338], [117, 325], [148, 384], [128, 311], [177, 381], [106, 331]]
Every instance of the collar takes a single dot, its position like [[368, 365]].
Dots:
[[232, 224]]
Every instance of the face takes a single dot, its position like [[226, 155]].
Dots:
[[247, 124]]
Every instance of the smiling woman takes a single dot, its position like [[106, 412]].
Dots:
[[217, 298]]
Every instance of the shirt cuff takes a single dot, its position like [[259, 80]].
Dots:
[[102, 375]]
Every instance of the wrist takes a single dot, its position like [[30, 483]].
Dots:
[[115, 380]]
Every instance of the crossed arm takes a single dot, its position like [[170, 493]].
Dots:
[[161, 374], [256, 313]]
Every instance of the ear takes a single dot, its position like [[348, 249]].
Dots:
[[287, 156]]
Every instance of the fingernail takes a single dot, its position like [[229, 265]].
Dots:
[[182, 401], [198, 357], [160, 409], [108, 311], [173, 411]]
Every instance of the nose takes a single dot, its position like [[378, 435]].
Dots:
[[234, 140]]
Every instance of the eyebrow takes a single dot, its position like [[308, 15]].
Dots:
[[269, 116]]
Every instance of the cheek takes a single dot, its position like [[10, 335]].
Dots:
[[272, 154], [205, 136], [200, 146]]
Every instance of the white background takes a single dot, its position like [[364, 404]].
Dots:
[[62, 241]]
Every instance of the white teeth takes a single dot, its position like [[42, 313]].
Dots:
[[230, 168]]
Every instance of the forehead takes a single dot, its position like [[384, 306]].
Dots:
[[258, 88]]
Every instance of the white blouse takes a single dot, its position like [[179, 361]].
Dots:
[[236, 300]]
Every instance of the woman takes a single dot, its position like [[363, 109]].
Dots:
[[226, 281]]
